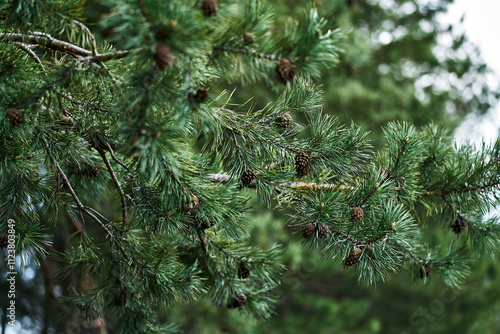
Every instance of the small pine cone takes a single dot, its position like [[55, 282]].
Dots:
[[323, 230], [243, 271], [192, 204], [248, 38], [15, 117], [247, 177], [426, 272], [163, 56], [82, 306], [238, 301], [209, 7], [4, 242], [303, 164], [356, 214], [459, 225], [201, 95], [285, 71], [283, 120], [206, 225], [353, 257], [308, 230]]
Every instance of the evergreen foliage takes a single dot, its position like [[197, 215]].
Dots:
[[125, 174]]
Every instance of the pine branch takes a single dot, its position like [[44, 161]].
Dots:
[[247, 52], [85, 209], [31, 53], [203, 243], [401, 152], [461, 217], [309, 186], [370, 195], [411, 253], [92, 37], [117, 185], [47, 41], [443, 192], [84, 104], [381, 235]]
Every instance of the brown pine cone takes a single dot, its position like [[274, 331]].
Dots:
[[353, 257], [285, 71], [209, 7], [163, 56]]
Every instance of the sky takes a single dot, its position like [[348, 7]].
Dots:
[[482, 26]]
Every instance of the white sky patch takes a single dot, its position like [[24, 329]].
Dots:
[[482, 27]]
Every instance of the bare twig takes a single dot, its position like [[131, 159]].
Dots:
[[310, 186], [87, 30], [49, 42], [31, 53]]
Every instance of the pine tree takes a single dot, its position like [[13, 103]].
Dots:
[[125, 175]]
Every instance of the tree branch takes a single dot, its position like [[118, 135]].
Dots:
[[49, 42], [85, 209], [117, 185], [401, 152], [443, 192]]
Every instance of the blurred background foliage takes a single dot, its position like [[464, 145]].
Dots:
[[398, 63]]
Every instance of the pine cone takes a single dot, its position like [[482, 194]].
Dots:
[[308, 230], [209, 7], [353, 257], [247, 177], [163, 56], [426, 272], [206, 225], [356, 214], [248, 38], [15, 117], [238, 301], [283, 120], [243, 271], [303, 164], [459, 226], [323, 230], [285, 71], [201, 95]]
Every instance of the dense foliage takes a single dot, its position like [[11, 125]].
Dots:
[[126, 173]]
